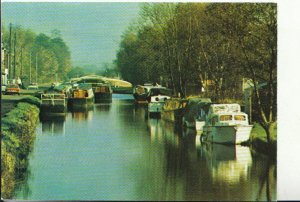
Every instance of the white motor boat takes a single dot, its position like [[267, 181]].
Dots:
[[226, 123]]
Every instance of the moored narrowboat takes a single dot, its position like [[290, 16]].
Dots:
[[53, 104], [140, 92], [173, 110], [102, 92], [195, 113], [82, 96], [101, 88], [156, 98]]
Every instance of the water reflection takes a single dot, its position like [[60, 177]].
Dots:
[[265, 171], [114, 153], [53, 125], [229, 164], [103, 108], [82, 114]]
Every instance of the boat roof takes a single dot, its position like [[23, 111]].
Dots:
[[84, 86], [222, 108], [199, 100]]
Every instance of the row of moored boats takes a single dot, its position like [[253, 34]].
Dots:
[[79, 93], [219, 123]]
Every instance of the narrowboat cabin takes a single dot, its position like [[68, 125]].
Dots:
[[226, 124], [82, 96], [195, 113], [103, 92], [156, 98], [140, 92], [101, 88], [64, 88], [53, 104], [173, 110]]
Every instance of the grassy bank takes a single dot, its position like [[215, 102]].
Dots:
[[258, 140], [17, 137]]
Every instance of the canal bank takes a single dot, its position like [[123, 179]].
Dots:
[[18, 127], [258, 141]]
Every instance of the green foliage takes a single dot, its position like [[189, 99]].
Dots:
[[17, 137], [258, 132], [51, 55], [76, 72], [186, 44], [208, 45], [31, 100]]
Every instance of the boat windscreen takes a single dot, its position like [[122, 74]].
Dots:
[[225, 117], [239, 117]]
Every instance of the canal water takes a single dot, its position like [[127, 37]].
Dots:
[[114, 152]]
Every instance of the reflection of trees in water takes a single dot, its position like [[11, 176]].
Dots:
[[22, 184], [181, 170], [265, 172], [173, 163]]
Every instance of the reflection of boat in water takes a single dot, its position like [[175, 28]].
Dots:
[[155, 129], [82, 96], [103, 107], [226, 123], [82, 114], [228, 163], [53, 125]]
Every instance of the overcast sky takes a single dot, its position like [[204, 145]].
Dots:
[[91, 30]]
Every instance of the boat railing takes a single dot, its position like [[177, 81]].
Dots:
[[53, 99]]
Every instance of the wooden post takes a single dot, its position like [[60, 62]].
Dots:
[[250, 106], [14, 69], [36, 67], [9, 52], [30, 67], [21, 70]]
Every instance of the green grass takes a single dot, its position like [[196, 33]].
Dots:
[[258, 141], [259, 133]]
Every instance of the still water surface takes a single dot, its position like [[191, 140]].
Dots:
[[114, 152]]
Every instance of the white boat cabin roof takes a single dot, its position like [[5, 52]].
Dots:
[[224, 108]]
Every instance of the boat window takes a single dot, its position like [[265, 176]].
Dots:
[[225, 117], [240, 117]]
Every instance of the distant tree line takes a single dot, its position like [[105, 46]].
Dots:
[[26, 52], [106, 69], [184, 44]]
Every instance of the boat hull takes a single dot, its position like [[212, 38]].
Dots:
[[199, 125], [81, 102], [172, 115], [140, 98], [155, 107], [103, 97], [227, 134], [58, 109]]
